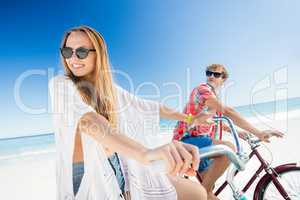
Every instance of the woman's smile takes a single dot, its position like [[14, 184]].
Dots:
[[77, 66]]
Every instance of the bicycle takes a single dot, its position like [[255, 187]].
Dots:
[[280, 182]]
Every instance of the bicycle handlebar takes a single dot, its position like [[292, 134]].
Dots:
[[220, 149], [159, 166], [250, 139], [236, 158], [234, 132]]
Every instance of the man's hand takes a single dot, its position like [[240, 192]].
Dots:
[[267, 134]]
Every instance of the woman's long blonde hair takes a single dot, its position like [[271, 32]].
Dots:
[[98, 92]]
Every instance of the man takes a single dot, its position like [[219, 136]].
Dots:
[[203, 98]]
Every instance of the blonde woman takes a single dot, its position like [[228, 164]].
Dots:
[[104, 143]]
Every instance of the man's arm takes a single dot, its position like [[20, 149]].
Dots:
[[226, 128], [242, 134], [214, 103]]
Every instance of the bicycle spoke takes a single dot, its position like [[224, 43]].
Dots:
[[291, 183]]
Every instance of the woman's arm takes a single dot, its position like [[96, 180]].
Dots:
[[178, 156], [169, 113], [71, 112]]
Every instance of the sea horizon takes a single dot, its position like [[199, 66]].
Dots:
[[15, 147]]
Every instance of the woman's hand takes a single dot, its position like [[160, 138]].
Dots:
[[180, 157], [202, 118], [267, 134]]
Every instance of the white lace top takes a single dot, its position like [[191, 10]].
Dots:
[[138, 119]]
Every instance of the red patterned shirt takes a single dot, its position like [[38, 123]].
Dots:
[[195, 105]]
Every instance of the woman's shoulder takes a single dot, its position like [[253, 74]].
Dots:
[[59, 82], [60, 78], [120, 90], [118, 87]]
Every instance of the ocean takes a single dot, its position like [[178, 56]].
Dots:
[[12, 148]]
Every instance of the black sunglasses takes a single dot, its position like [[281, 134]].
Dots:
[[80, 52], [215, 74]]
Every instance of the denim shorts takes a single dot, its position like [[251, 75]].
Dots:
[[116, 166], [200, 141], [78, 171]]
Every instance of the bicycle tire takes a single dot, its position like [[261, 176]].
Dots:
[[289, 177]]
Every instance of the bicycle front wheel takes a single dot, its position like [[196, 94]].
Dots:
[[289, 179]]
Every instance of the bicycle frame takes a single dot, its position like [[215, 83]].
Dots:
[[271, 173]]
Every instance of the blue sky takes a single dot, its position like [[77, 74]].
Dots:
[[162, 42]]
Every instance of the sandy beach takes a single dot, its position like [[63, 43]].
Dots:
[[33, 177]]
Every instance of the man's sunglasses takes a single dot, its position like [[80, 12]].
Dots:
[[80, 52], [215, 74]]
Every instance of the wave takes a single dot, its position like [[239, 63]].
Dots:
[[27, 154], [27, 136]]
